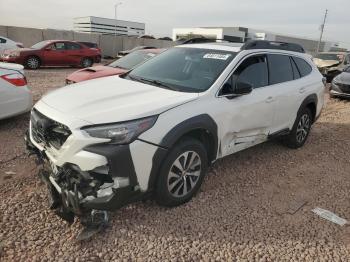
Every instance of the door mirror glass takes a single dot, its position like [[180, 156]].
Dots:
[[227, 89], [243, 88]]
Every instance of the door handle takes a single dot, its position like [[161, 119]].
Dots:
[[270, 99], [302, 90]]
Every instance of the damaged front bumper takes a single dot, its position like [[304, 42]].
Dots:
[[74, 192]]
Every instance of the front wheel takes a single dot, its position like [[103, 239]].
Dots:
[[32, 62], [301, 129], [182, 173], [86, 62]]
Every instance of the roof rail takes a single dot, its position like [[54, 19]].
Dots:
[[264, 44]]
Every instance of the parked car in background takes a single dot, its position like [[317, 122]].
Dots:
[[53, 53], [93, 45], [153, 131], [15, 96], [117, 67], [331, 64], [6, 43], [126, 52], [341, 84]]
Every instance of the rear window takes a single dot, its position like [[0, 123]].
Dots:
[[131, 60], [280, 69], [303, 66]]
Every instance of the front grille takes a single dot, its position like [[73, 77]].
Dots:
[[344, 88], [47, 131]]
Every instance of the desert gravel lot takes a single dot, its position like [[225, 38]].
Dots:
[[244, 211]]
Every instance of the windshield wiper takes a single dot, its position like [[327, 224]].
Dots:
[[157, 83]]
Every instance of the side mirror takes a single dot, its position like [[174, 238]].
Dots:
[[243, 88], [48, 49]]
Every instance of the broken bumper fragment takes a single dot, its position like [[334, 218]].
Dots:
[[74, 192]]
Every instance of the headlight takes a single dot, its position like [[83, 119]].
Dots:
[[69, 82], [121, 133]]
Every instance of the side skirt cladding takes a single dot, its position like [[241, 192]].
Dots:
[[200, 122]]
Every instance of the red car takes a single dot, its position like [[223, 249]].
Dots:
[[53, 53], [117, 67]]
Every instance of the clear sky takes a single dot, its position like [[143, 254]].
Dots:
[[298, 17]]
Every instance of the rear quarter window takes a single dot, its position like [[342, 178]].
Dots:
[[303, 67], [2, 40]]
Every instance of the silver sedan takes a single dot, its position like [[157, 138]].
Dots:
[[15, 96]]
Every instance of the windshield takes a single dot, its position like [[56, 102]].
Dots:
[[131, 60], [40, 45], [184, 69], [336, 57]]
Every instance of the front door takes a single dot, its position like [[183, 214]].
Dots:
[[247, 119], [55, 54]]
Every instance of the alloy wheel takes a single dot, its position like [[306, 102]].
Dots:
[[184, 174], [86, 62], [303, 128], [33, 63]]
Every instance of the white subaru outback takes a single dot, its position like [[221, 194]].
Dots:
[[155, 130]]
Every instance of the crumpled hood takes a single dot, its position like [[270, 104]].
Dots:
[[343, 78], [113, 99], [325, 63]]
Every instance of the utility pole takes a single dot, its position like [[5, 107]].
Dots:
[[115, 27], [322, 29]]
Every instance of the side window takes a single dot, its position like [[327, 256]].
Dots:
[[280, 69], [303, 66], [2, 41], [347, 60], [60, 46], [296, 73], [73, 46], [253, 71]]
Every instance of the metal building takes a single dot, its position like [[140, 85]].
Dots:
[[243, 34], [107, 26]]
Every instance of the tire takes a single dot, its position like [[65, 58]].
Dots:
[[86, 62], [301, 129], [32, 62], [176, 185]]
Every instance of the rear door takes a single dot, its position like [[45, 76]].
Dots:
[[55, 54], [75, 53], [288, 74], [282, 75]]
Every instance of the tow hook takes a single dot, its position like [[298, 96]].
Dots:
[[94, 223]]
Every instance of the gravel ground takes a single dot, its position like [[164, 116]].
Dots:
[[246, 210]]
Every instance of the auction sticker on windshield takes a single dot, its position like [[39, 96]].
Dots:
[[217, 56]]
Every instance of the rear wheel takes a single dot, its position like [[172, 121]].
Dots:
[[86, 62], [301, 129], [32, 62], [182, 173]]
